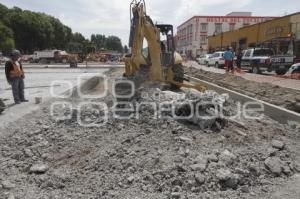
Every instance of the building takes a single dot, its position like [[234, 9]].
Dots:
[[192, 34], [281, 34]]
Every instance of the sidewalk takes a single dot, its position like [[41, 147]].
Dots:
[[272, 79]]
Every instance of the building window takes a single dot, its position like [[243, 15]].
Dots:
[[203, 27], [231, 27], [218, 28], [203, 39]]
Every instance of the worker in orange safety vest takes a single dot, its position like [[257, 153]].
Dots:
[[15, 76]]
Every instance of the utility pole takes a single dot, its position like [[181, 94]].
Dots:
[[222, 40]]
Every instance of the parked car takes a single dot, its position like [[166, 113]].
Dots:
[[203, 59], [217, 60], [258, 60], [294, 71]]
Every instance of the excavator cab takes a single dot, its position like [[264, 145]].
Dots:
[[167, 45]]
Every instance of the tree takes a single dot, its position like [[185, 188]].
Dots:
[[6, 39], [79, 44], [99, 41], [62, 34], [3, 11], [29, 31], [114, 43], [35, 31]]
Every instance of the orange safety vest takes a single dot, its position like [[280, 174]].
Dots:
[[16, 72]]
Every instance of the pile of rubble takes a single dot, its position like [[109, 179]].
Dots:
[[280, 96], [146, 156]]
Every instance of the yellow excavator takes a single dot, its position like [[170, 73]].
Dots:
[[162, 62]]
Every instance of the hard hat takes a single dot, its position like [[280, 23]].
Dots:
[[15, 53]]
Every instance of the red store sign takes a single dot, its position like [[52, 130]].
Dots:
[[233, 20]]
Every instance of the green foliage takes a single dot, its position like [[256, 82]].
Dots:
[[29, 31], [35, 31], [3, 11], [7, 46], [99, 41], [6, 39], [107, 43], [114, 43]]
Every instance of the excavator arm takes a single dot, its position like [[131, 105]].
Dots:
[[164, 64], [143, 27]]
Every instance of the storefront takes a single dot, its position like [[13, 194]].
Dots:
[[281, 34]]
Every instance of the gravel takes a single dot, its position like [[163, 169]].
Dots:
[[143, 157]]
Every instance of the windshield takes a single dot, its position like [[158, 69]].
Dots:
[[263, 52]]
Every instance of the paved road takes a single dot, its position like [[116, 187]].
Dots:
[[266, 78], [80, 65], [38, 83]]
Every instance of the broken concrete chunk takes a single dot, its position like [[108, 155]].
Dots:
[[130, 179], [213, 158], [185, 139], [7, 185], [227, 179], [272, 151], [198, 167], [39, 168], [232, 182], [175, 195], [286, 170], [227, 157], [274, 165], [200, 179], [223, 174], [277, 144]]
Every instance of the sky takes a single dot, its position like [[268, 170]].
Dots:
[[111, 17]]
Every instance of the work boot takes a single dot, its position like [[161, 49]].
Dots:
[[24, 100], [17, 102]]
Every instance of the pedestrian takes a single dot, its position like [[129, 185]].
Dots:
[[15, 76], [239, 60], [228, 56]]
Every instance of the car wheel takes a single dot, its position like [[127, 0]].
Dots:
[[206, 64], [295, 75], [217, 65], [255, 70]]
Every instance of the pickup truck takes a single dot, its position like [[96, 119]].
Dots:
[[258, 60]]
